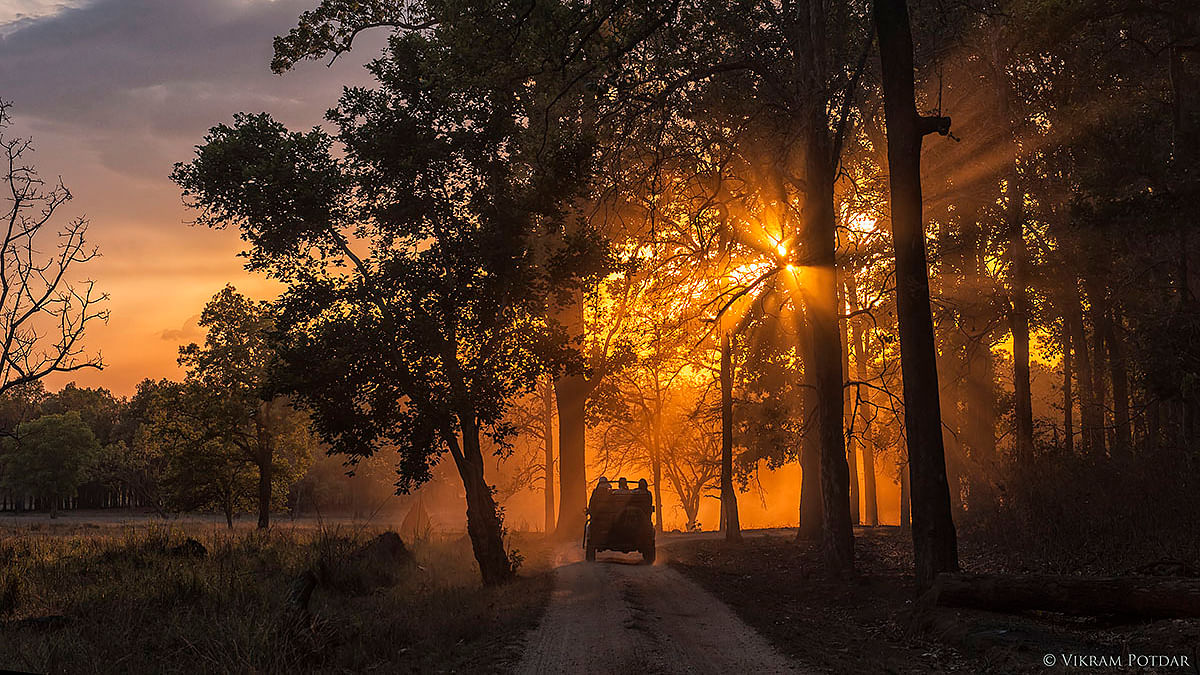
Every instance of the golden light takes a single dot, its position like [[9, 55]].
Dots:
[[863, 223], [782, 250]]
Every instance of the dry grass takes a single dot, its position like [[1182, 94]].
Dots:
[[123, 602]]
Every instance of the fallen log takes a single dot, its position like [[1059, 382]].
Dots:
[[1142, 597]]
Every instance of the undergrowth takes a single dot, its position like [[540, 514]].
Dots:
[[141, 601]]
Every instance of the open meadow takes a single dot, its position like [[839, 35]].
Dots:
[[188, 596]]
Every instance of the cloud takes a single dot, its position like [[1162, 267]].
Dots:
[[188, 332], [16, 14], [116, 91], [136, 80]]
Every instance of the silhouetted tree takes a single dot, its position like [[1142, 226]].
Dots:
[[234, 368], [43, 314], [420, 342], [934, 544]]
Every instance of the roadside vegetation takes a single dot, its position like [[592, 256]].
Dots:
[[173, 599]]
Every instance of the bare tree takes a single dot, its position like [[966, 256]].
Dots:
[[43, 314]]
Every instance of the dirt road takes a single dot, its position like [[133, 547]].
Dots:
[[617, 616]]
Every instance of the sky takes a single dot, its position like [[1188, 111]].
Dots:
[[113, 93]]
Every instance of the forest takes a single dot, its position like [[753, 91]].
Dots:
[[900, 294]]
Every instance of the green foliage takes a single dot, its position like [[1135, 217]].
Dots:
[[199, 469], [440, 322], [98, 408], [50, 456]]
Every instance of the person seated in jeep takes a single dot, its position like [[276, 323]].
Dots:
[[603, 487]]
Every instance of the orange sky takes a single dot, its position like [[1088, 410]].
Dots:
[[114, 92]]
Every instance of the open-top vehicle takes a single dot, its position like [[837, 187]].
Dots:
[[620, 519]]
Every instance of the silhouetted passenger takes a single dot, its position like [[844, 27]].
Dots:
[[623, 485], [642, 487], [603, 487]]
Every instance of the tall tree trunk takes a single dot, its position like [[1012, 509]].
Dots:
[[811, 508], [656, 470], [870, 498], [1068, 394], [862, 373], [548, 435], [1096, 303], [265, 466], [979, 398], [905, 499], [571, 395], [935, 547], [1019, 317], [484, 526], [1091, 422], [1122, 436], [729, 507], [1018, 259], [848, 421], [837, 532]]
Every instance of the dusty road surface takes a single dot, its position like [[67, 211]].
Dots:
[[616, 615]]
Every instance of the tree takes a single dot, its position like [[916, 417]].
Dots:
[[234, 368], [421, 342], [934, 544], [729, 509], [134, 461], [50, 458], [43, 315], [201, 468]]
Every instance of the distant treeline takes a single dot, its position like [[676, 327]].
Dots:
[[116, 472], [220, 440]]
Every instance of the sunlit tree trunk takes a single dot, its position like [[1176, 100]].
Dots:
[[819, 235], [811, 508], [849, 423], [862, 373], [935, 547], [571, 393], [548, 436], [656, 471], [729, 508], [837, 534]]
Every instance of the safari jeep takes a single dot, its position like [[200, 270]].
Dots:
[[620, 520]]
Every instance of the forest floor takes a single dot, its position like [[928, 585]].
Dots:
[[82, 596], [870, 624]]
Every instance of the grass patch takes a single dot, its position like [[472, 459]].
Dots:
[[134, 601]]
